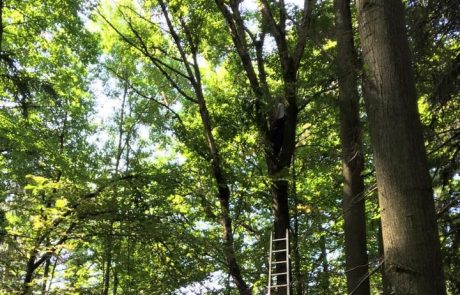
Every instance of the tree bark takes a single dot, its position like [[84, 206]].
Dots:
[[350, 135], [410, 237], [386, 289]]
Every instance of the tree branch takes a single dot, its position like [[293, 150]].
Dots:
[[303, 32]]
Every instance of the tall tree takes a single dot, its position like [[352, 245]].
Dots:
[[179, 66], [276, 119], [411, 243], [352, 156]]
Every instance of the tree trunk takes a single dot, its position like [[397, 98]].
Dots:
[[46, 276], [295, 234], [279, 139], [30, 268], [410, 238], [115, 283], [108, 263], [350, 135], [278, 164], [324, 276], [224, 198], [218, 173], [386, 289]]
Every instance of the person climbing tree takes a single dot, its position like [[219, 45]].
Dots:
[[277, 128]]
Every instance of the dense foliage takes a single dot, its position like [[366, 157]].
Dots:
[[107, 164]]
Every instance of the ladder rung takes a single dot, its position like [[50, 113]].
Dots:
[[278, 262], [278, 286], [276, 240], [282, 250], [279, 274]]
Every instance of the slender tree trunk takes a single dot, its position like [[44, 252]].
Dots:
[[108, 263], [53, 270], [350, 135], [410, 237], [218, 173], [324, 279], [115, 282], [224, 198], [46, 272], [295, 234], [2, 5]]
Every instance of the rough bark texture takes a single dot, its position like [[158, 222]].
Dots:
[[411, 243], [386, 289], [350, 135]]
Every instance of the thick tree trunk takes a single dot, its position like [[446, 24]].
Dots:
[[350, 135], [410, 237], [386, 289], [279, 163]]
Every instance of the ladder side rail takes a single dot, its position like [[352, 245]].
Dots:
[[270, 266], [288, 281]]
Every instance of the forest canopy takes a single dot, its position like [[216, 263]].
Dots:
[[158, 146]]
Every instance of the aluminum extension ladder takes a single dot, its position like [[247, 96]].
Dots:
[[272, 262]]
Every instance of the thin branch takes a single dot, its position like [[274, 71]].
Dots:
[[154, 61], [278, 33], [367, 276], [145, 19], [176, 39], [303, 32], [143, 95], [145, 51], [235, 26]]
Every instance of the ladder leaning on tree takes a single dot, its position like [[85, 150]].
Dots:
[[274, 278]]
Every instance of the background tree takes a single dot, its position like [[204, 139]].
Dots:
[[353, 159]]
